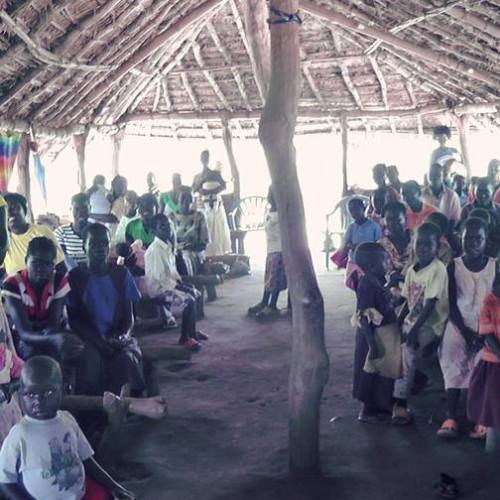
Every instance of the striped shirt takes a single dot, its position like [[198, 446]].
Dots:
[[71, 243]]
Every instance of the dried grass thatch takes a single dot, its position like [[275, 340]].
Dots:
[[383, 64]]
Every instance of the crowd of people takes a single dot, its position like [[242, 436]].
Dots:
[[71, 369], [422, 260]]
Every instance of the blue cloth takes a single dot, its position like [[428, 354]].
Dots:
[[40, 176], [361, 233], [100, 298]]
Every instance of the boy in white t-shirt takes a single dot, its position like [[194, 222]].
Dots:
[[46, 455]]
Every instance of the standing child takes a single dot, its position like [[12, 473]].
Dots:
[[424, 313], [275, 275], [483, 402], [46, 454], [377, 356], [470, 280], [360, 231]]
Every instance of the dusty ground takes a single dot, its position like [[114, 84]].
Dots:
[[226, 435]]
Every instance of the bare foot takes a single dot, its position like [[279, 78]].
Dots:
[[115, 408], [148, 407]]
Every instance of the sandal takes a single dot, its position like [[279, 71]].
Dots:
[[479, 432], [366, 417], [268, 313], [255, 309], [401, 416], [446, 487], [201, 336], [448, 429], [191, 344]]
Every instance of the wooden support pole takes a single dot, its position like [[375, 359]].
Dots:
[[257, 40], [344, 127], [309, 366], [235, 173], [79, 143], [23, 169], [463, 133], [117, 146]]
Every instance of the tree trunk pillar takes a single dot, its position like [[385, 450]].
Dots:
[[23, 166], [117, 146], [309, 365], [344, 127], [463, 132], [235, 173], [79, 142]]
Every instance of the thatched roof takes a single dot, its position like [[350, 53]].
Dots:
[[107, 62]]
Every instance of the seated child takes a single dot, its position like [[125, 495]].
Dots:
[[377, 356], [46, 454], [275, 275], [483, 401], [100, 312], [360, 231], [164, 283], [491, 244], [424, 313], [34, 300], [470, 280]]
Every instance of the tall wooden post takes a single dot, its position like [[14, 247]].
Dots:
[[344, 127], [79, 142], [235, 173], [117, 146], [463, 132], [23, 166], [309, 366]]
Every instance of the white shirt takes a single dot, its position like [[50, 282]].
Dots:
[[273, 232], [161, 271], [99, 203], [46, 457]]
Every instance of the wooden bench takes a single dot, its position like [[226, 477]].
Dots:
[[249, 215]]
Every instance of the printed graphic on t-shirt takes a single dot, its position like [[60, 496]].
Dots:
[[416, 298], [65, 464]]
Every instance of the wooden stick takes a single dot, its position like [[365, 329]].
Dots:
[[255, 36], [389, 38], [235, 173], [79, 142], [23, 168], [309, 365], [117, 146], [462, 123], [344, 128]]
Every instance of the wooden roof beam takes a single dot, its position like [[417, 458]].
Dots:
[[194, 16], [211, 80], [386, 37], [166, 95], [460, 14], [190, 92], [257, 40], [383, 88], [228, 61], [413, 100]]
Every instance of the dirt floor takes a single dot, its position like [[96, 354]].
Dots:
[[226, 434]]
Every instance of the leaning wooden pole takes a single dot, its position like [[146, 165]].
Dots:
[[345, 151], [117, 147], [23, 168], [463, 133], [309, 366], [235, 173], [79, 142]]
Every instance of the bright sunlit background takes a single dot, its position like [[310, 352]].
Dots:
[[319, 159]]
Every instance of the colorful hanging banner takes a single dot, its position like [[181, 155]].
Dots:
[[9, 145]]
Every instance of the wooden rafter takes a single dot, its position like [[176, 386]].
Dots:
[[190, 92], [228, 62], [211, 80], [166, 95], [411, 95], [409, 47], [383, 88], [258, 66]]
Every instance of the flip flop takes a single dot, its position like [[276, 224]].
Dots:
[[448, 429]]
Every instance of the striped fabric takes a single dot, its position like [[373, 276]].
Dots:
[[9, 145], [71, 243]]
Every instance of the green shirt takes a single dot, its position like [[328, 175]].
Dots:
[[136, 231]]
